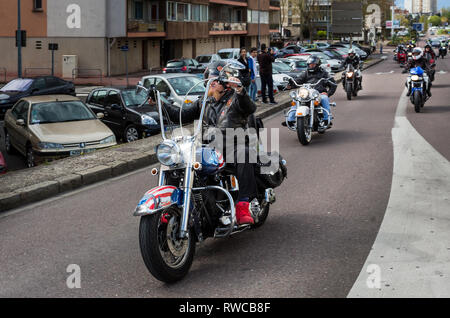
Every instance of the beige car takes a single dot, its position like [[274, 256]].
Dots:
[[54, 126]]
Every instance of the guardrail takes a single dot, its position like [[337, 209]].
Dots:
[[77, 72], [27, 73], [3, 71]]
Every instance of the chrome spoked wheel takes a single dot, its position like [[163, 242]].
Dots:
[[174, 250]]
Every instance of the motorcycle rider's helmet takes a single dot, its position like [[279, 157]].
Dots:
[[313, 63], [428, 46], [223, 70], [352, 54], [417, 53]]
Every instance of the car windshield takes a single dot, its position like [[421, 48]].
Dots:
[[175, 64], [301, 64], [59, 112], [225, 55], [204, 58], [281, 67], [132, 98], [17, 85], [182, 85]]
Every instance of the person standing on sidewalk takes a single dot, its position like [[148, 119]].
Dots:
[[253, 73], [265, 60], [245, 73]]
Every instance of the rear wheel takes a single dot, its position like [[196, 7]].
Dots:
[[304, 132], [166, 256], [417, 101]]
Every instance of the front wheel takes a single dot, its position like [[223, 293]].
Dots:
[[349, 90], [131, 133], [167, 257], [304, 132], [417, 101]]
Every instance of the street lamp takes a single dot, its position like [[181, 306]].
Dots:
[[19, 42]]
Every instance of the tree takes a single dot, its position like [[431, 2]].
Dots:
[[307, 11], [435, 20]]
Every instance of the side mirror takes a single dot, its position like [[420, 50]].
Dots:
[[116, 107], [140, 83], [20, 122], [100, 115]]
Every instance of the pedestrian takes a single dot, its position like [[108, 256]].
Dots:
[[265, 60], [381, 46], [253, 73], [245, 73]]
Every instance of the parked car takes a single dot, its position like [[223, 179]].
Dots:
[[122, 114], [175, 86], [23, 87], [3, 167], [206, 59], [183, 66], [230, 53], [325, 65], [54, 126], [346, 46], [296, 65], [282, 68]]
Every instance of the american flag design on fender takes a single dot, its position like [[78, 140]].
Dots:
[[160, 197]]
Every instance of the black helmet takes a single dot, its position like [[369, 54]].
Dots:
[[313, 63], [428, 46]]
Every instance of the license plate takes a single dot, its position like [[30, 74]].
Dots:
[[81, 152]]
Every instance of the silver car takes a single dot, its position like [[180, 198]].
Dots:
[[174, 86], [207, 59]]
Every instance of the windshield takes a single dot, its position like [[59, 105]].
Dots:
[[59, 112], [182, 85], [322, 56], [17, 85], [133, 98], [175, 64], [301, 64], [203, 59], [281, 67], [225, 55]]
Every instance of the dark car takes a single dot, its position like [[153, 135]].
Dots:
[[122, 114], [3, 167], [290, 50], [184, 66], [280, 67], [24, 87]]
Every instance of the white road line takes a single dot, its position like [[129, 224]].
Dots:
[[411, 254]]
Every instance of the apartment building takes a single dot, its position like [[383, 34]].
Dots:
[[422, 6], [97, 32]]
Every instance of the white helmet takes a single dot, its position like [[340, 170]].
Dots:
[[417, 53], [351, 53]]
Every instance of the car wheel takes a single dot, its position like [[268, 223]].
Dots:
[[8, 146], [131, 133], [30, 157]]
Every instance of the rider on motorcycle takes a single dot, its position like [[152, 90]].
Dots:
[[327, 89], [228, 106], [418, 59], [354, 59], [429, 52]]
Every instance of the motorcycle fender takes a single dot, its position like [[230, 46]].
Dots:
[[158, 199], [302, 111]]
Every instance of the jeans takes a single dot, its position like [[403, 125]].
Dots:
[[253, 91], [325, 101], [267, 80]]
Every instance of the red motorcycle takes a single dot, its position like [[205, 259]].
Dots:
[[401, 57]]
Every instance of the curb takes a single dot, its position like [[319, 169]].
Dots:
[[76, 180]]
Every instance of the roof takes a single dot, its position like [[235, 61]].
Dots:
[[169, 75], [49, 98]]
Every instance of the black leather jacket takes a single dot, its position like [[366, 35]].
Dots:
[[422, 62], [314, 77], [355, 62], [231, 111]]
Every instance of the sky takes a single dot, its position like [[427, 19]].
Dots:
[[440, 3]]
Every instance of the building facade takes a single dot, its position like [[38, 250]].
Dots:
[[422, 6], [98, 32]]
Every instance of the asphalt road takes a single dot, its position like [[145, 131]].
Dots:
[[314, 243]]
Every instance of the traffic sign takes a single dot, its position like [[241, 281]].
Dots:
[[124, 48]]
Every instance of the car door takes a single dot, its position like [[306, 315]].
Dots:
[[96, 101], [115, 111], [39, 87], [10, 123], [19, 134]]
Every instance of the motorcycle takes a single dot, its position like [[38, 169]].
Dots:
[[195, 198], [350, 82], [401, 57], [442, 51], [309, 113], [416, 85]]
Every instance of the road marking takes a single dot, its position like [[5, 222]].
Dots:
[[382, 73], [442, 72], [412, 248]]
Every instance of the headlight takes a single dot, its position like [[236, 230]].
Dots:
[[168, 153], [415, 77], [108, 140], [147, 120], [303, 93], [294, 94], [4, 101], [49, 145], [350, 74]]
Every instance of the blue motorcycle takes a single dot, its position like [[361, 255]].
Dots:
[[417, 87]]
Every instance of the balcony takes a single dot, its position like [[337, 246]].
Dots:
[[142, 28], [240, 3], [274, 5], [220, 28]]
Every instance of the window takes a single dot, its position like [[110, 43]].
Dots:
[[196, 12], [19, 110], [37, 5], [138, 10], [98, 98], [38, 84], [162, 87], [204, 13], [154, 12], [171, 11], [113, 98], [148, 82]]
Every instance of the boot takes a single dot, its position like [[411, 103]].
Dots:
[[243, 215]]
